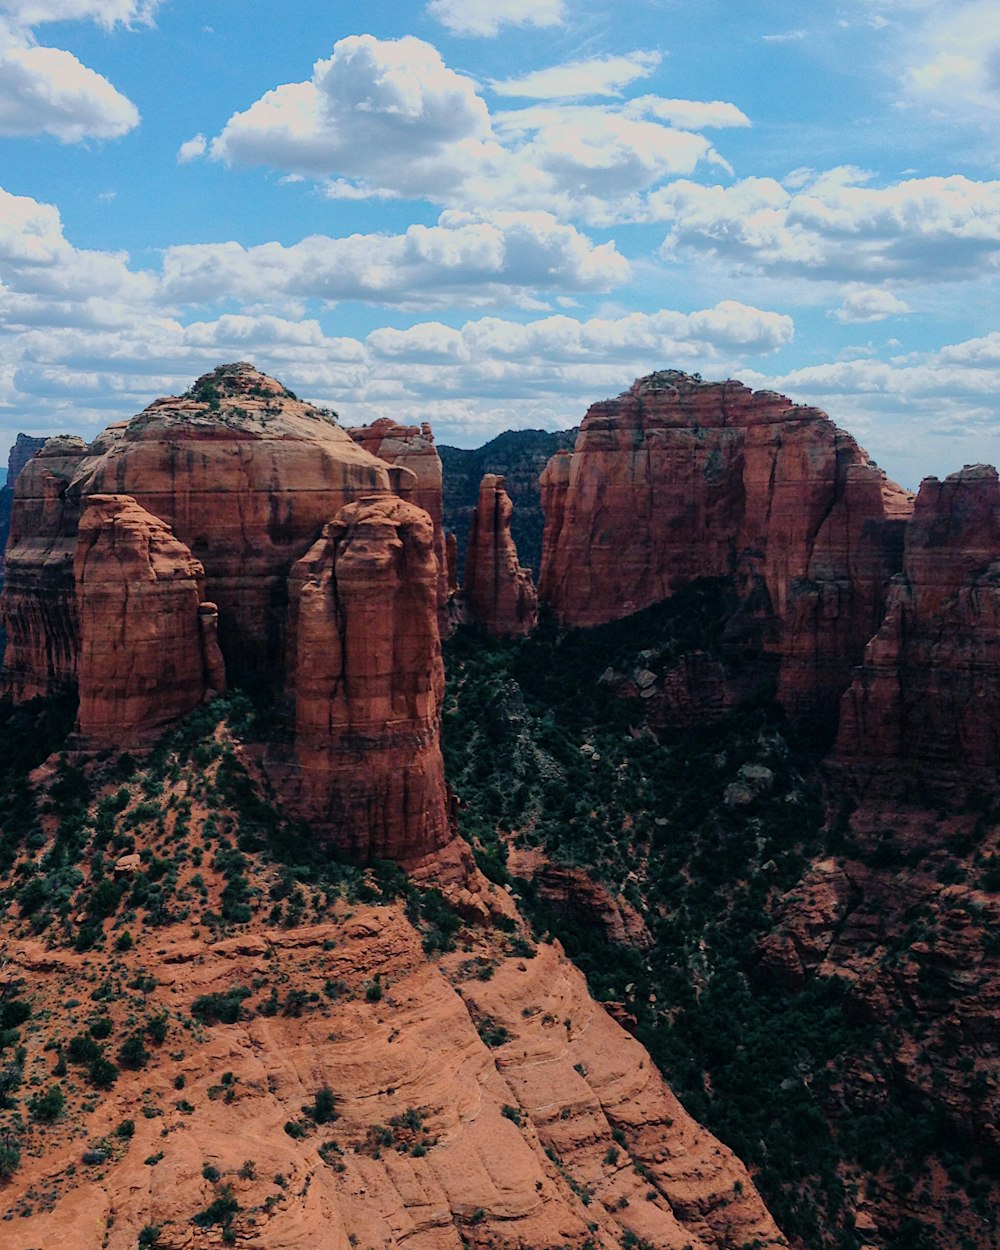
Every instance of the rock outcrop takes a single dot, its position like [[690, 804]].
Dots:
[[142, 661], [499, 592], [39, 596], [679, 479], [25, 446], [925, 703], [365, 656], [411, 447], [243, 473]]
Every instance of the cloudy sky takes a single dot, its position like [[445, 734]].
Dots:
[[490, 213]]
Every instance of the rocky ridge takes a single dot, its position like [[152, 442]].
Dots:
[[499, 593]]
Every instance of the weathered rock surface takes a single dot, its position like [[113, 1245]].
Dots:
[[39, 597], [412, 447], [563, 1135], [365, 658], [678, 479], [25, 446], [499, 592], [242, 472], [142, 657], [925, 703]]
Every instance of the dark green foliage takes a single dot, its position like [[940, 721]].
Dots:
[[323, 1109], [221, 1007], [133, 1053], [102, 1073], [220, 1211], [82, 1048], [48, 1106]]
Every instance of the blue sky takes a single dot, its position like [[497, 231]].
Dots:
[[490, 213]]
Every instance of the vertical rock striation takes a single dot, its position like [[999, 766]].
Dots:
[[679, 479], [925, 702], [412, 447], [367, 770], [499, 592], [138, 595]]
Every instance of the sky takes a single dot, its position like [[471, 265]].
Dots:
[[489, 214]]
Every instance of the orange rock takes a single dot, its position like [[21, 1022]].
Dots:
[[368, 684], [138, 591], [499, 592], [412, 447], [678, 479]]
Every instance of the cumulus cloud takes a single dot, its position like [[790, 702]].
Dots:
[[389, 118], [922, 229], [192, 149], [863, 303], [484, 258], [44, 90], [688, 114], [487, 17], [604, 75]]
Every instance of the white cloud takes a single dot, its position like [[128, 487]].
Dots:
[[921, 229], [869, 304], [486, 17], [192, 149], [389, 118], [484, 258], [107, 13], [787, 36], [604, 75], [44, 90], [953, 62], [688, 114]]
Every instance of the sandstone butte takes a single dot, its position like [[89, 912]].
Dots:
[[925, 702], [679, 479], [411, 447], [500, 594], [196, 514]]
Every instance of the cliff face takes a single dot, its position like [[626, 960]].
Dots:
[[25, 446], [499, 592], [678, 479], [39, 596], [138, 596], [368, 683], [924, 703], [411, 447]]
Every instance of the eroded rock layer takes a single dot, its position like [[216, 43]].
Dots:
[[677, 479], [411, 447], [138, 591], [242, 472], [365, 652], [926, 701], [499, 592]]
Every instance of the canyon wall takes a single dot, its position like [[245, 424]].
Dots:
[[499, 592], [925, 703], [679, 479]]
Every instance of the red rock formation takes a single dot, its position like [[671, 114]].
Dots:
[[24, 448], [499, 592], [365, 654], [39, 600], [138, 590], [678, 479], [926, 701], [412, 447], [243, 473]]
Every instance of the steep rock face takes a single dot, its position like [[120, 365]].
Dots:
[[365, 655], [243, 473], [924, 704], [25, 446], [678, 479], [142, 655], [39, 598], [500, 593], [412, 447]]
